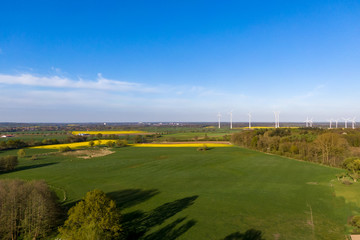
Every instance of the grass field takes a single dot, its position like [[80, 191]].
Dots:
[[180, 193], [156, 145], [109, 132]]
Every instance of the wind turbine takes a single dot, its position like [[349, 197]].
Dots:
[[311, 122], [219, 118], [336, 123], [330, 120], [231, 119], [353, 122], [307, 122], [249, 114], [277, 119], [346, 120]]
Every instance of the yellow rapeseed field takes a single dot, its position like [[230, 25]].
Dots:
[[108, 132], [74, 145]]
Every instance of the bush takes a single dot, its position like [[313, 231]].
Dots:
[[65, 149], [21, 153], [8, 163], [121, 143], [110, 143], [355, 222], [203, 148]]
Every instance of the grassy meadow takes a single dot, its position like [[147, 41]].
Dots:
[[181, 193]]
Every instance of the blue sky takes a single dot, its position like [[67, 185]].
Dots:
[[114, 61]]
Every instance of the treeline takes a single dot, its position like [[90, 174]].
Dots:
[[19, 143], [31, 210], [28, 210], [326, 146]]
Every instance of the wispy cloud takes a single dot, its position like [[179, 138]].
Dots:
[[100, 83]]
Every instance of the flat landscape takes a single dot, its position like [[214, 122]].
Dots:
[[182, 193]]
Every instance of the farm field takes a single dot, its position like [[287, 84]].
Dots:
[[104, 141], [181, 193], [110, 132]]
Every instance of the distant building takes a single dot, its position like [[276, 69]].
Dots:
[[6, 136]]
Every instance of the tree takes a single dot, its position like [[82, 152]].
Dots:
[[121, 143], [332, 147], [8, 163], [28, 210], [95, 217], [21, 153], [91, 143], [110, 143]]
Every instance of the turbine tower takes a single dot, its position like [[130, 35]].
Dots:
[[307, 122], [277, 119], [311, 122], [231, 119], [219, 119], [249, 114], [346, 120], [330, 121], [353, 122], [336, 123]]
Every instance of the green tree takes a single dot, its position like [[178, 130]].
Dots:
[[91, 143], [332, 147], [121, 143], [95, 217], [8, 163], [110, 143], [21, 153]]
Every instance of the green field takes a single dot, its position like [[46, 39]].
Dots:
[[180, 193]]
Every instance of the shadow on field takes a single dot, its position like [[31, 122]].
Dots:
[[130, 197], [136, 224], [251, 234], [33, 166]]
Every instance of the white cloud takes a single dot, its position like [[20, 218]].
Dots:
[[100, 83]]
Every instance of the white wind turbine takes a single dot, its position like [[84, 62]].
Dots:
[[346, 120], [231, 119], [307, 122], [330, 121], [277, 119], [219, 119], [336, 123], [311, 122], [353, 122], [249, 114]]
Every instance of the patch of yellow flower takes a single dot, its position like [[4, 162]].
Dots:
[[108, 132], [74, 145]]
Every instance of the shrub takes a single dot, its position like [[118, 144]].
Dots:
[[121, 143], [8, 163], [21, 153], [203, 148], [65, 149]]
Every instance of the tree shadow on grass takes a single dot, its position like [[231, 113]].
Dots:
[[171, 231], [136, 224], [251, 234], [17, 169], [130, 197], [34, 166]]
